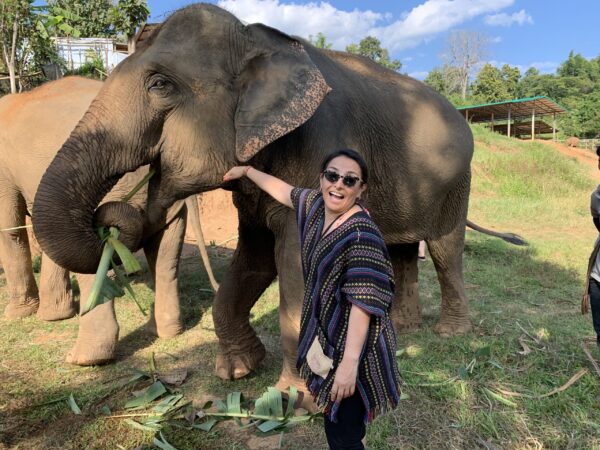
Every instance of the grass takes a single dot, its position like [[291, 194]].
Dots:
[[517, 295]]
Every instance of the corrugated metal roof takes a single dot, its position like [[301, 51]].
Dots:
[[519, 108]]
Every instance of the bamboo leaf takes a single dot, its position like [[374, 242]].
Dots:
[[270, 404], [73, 405], [139, 426], [206, 426], [499, 398], [130, 263], [234, 400], [152, 393], [123, 282], [270, 425], [168, 403], [162, 443]]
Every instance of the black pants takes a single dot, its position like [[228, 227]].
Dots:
[[595, 306], [350, 428]]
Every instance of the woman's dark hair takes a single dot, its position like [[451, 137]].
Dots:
[[352, 154]]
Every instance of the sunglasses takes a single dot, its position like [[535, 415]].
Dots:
[[348, 180]]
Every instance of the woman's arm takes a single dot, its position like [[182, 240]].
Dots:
[[344, 382], [276, 188]]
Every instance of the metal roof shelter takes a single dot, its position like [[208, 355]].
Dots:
[[520, 108]]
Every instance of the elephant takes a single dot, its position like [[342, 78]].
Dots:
[[206, 92], [34, 125], [572, 141]]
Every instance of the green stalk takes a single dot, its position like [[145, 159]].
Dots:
[[105, 260], [138, 186]]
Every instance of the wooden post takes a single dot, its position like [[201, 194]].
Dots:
[[508, 121], [467, 115], [533, 124], [554, 127], [492, 121]]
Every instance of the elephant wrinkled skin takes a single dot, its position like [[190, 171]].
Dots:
[[33, 127], [205, 93]]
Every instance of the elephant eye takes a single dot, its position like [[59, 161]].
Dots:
[[159, 83]]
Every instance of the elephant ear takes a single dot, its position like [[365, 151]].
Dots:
[[280, 89]]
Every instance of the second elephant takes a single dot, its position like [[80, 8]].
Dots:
[[33, 126]]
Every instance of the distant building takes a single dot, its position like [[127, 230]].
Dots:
[[76, 52]]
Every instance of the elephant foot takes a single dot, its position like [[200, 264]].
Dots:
[[164, 329], [305, 399], [19, 309], [237, 363], [447, 328], [97, 338], [57, 311], [91, 353]]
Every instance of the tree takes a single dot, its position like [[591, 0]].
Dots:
[[14, 24], [371, 48], [90, 17], [445, 80], [511, 77], [319, 41], [463, 51], [489, 85], [127, 15]]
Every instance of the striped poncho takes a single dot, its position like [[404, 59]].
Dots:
[[350, 265]]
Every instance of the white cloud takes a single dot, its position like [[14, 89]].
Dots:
[[419, 75], [506, 20], [421, 23], [496, 40]]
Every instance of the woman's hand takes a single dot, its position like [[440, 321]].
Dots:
[[236, 172], [344, 382]]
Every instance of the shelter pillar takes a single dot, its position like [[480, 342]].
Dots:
[[508, 123], [533, 124]]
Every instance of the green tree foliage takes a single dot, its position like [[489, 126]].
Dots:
[[511, 77], [90, 17], [489, 85], [371, 48], [319, 41]]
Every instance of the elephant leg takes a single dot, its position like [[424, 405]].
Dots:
[[98, 330], [16, 257], [291, 293], [56, 297], [251, 271], [162, 252], [446, 254], [406, 309]]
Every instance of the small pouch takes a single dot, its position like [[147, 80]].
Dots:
[[320, 364]]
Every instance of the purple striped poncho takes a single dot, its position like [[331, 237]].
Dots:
[[350, 265]]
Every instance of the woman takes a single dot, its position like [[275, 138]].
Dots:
[[347, 345]]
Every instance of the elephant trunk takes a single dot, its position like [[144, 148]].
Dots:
[[86, 167]]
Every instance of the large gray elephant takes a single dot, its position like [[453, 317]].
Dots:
[[33, 126], [207, 92]]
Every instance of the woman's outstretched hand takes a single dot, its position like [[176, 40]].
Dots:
[[236, 172], [344, 382]]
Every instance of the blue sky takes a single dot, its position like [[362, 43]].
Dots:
[[522, 33]]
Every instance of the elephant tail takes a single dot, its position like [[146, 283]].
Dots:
[[511, 238]]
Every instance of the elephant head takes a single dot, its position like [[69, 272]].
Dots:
[[204, 92]]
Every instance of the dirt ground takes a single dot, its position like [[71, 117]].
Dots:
[[587, 157]]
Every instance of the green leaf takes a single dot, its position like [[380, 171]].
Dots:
[[96, 296], [269, 404], [167, 403], [463, 373], [234, 400], [404, 396], [139, 426], [106, 410], [483, 351], [270, 425], [130, 264], [73, 405], [163, 444], [499, 398], [152, 393], [124, 283], [206, 426]]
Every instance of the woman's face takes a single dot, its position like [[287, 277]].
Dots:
[[338, 196]]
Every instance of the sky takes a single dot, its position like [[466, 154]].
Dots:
[[522, 33]]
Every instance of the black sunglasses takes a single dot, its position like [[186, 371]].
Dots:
[[348, 180]]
